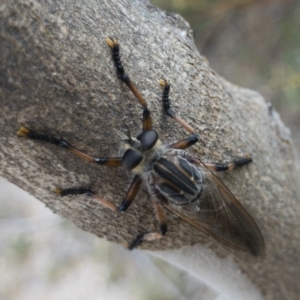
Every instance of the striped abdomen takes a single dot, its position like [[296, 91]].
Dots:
[[177, 179]]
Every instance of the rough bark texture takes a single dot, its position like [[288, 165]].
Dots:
[[56, 75]]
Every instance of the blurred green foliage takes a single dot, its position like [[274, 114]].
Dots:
[[252, 43]]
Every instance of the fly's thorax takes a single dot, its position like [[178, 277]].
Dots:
[[149, 159], [176, 178]]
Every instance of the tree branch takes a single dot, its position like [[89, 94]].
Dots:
[[56, 75]]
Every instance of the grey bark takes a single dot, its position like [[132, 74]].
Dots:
[[56, 75]]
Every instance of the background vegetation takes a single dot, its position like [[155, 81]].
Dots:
[[253, 43]]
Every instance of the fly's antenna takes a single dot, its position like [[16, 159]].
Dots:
[[126, 139]]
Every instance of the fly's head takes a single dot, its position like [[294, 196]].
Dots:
[[139, 150]]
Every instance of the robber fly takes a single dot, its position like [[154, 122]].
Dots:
[[176, 181]]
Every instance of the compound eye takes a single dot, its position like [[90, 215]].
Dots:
[[131, 159], [148, 139]]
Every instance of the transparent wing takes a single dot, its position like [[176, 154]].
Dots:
[[221, 216]]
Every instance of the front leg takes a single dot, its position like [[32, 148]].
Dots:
[[193, 138], [123, 76]]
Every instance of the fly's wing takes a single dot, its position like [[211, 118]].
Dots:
[[221, 216]]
